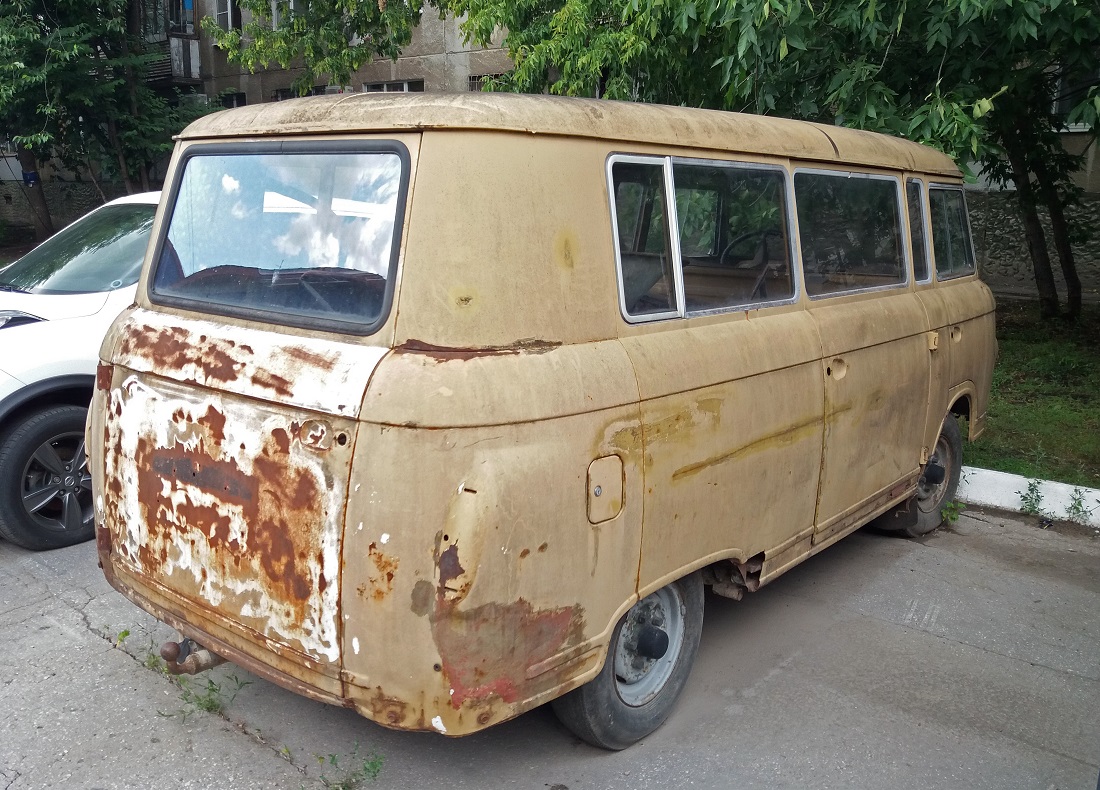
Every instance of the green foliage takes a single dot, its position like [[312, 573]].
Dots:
[[1079, 511], [362, 769], [952, 510], [1031, 499], [329, 38], [211, 697], [1044, 409], [72, 84], [933, 72]]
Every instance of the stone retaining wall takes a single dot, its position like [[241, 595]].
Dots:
[[1002, 249]]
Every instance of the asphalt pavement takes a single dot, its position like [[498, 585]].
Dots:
[[967, 659]]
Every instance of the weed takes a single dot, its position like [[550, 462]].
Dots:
[[362, 769], [1031, 500], [154, 663], [1078, 511], [214, 697], [284, 752], [951, 511], [121, 637]]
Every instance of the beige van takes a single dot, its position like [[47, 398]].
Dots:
[[443, 407]]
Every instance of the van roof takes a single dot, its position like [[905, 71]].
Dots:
[[682, 127]]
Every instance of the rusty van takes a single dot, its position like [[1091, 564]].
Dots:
[[442, 407]]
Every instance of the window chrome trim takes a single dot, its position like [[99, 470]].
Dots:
[[653, 161]]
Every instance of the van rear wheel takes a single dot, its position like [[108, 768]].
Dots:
[[934, 493], [648, 662]]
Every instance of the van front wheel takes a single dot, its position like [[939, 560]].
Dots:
[[648, 662], [936, 491]]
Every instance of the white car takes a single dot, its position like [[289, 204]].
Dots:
[[56, 303]]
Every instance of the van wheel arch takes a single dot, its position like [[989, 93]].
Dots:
[[932, 496]]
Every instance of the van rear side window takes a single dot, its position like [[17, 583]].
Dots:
[[305, 239], [731, 237], [950, 233], [850, 231], [642, 238]]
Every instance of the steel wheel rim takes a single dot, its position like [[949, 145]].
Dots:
[[929, 496], [55, 487], [639, 679]]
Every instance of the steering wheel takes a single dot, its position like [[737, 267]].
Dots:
[[761, 245]]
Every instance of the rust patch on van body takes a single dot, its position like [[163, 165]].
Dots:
[[379, 582], [486, 650], [175, 348], [450, 353], [233, 505]]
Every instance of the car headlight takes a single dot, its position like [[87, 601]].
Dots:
[[16, 318]]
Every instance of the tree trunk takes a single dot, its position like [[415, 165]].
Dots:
[[1033, 231], [124, 171], [1060, 229], [43, 225], [133, 31]]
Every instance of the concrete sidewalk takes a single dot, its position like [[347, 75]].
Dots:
[[1044, 498]]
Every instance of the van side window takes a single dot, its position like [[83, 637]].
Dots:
[[733, 235], [642, 238], [950, 233], [850, 231], [914, 195]]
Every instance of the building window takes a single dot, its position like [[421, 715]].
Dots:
[[282, 94], [227, 14], [181, 17], [154, 24], [476, 82], [279, 8], [231, 100], [397, 86], [1070, 90]]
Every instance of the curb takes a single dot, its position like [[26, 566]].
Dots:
[[1004, 491]]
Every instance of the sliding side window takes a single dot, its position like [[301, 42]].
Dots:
[[850, 231], [918, 235], [950, 233], [646, 279], [734, 247]]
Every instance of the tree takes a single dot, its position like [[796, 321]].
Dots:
[[72, 85], [326, 38], [975, 78]]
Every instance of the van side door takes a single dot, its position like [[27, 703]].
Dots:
[[875, 355], [729, 378]]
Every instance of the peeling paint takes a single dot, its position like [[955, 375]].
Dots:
[[230, 508], [486, 650]]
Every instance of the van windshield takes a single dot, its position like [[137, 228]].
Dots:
[[306, 239]]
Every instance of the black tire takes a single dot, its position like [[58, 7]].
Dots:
[[612, 711], [931, 498], [45, 487]]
